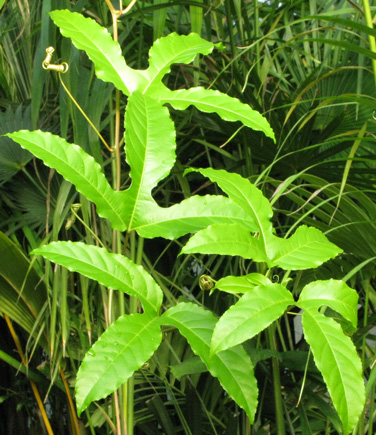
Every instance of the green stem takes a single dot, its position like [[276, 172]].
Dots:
[[371, 38], [279, 413]]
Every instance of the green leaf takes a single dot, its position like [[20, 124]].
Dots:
[[111, 270], [22, 293], [78, 167], [305, 249], [150, 144], [172, 49], [12, 157], [232, 367], [150, 148], [334, 294], [88, 35], [245, 194], [241, 284], [189, 366], [337, 359], [123, 348], [189, 216], [210, 101], [253, 312], [226, 239]]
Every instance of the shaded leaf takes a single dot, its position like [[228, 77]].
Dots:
[[305, 249], [337, 359], [232, 367], [254, 311], [123, 348], [111, 270], [22, 293], [12, 157], [88, 35], [188, 367]]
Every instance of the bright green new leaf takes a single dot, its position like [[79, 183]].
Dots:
[[335, 294], [337, 359], [210, 101], [232, 367], [88, 35], [307, 248], [226, 239], [78, 167], [123, 348], [172, 49], [253, 312], [111, 270], [241, 284]]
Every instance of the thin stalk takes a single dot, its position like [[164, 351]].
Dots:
[[116, 241], [32, 383], [371, 38], [64, 312], [257, 35], [279, 412], [124, 411], [72, 410], [371, 411], [365, 321]]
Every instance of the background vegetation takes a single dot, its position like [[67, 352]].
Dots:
[[308, 66]]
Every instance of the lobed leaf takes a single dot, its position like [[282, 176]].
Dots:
[[111, 270], [150, 152], [226, 239], [123, 348], [210, 101], [110, 66], [306, 248], [254, 311], [337, 359], [172, 49], [78, 167], [232, 367], [150, 143]]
